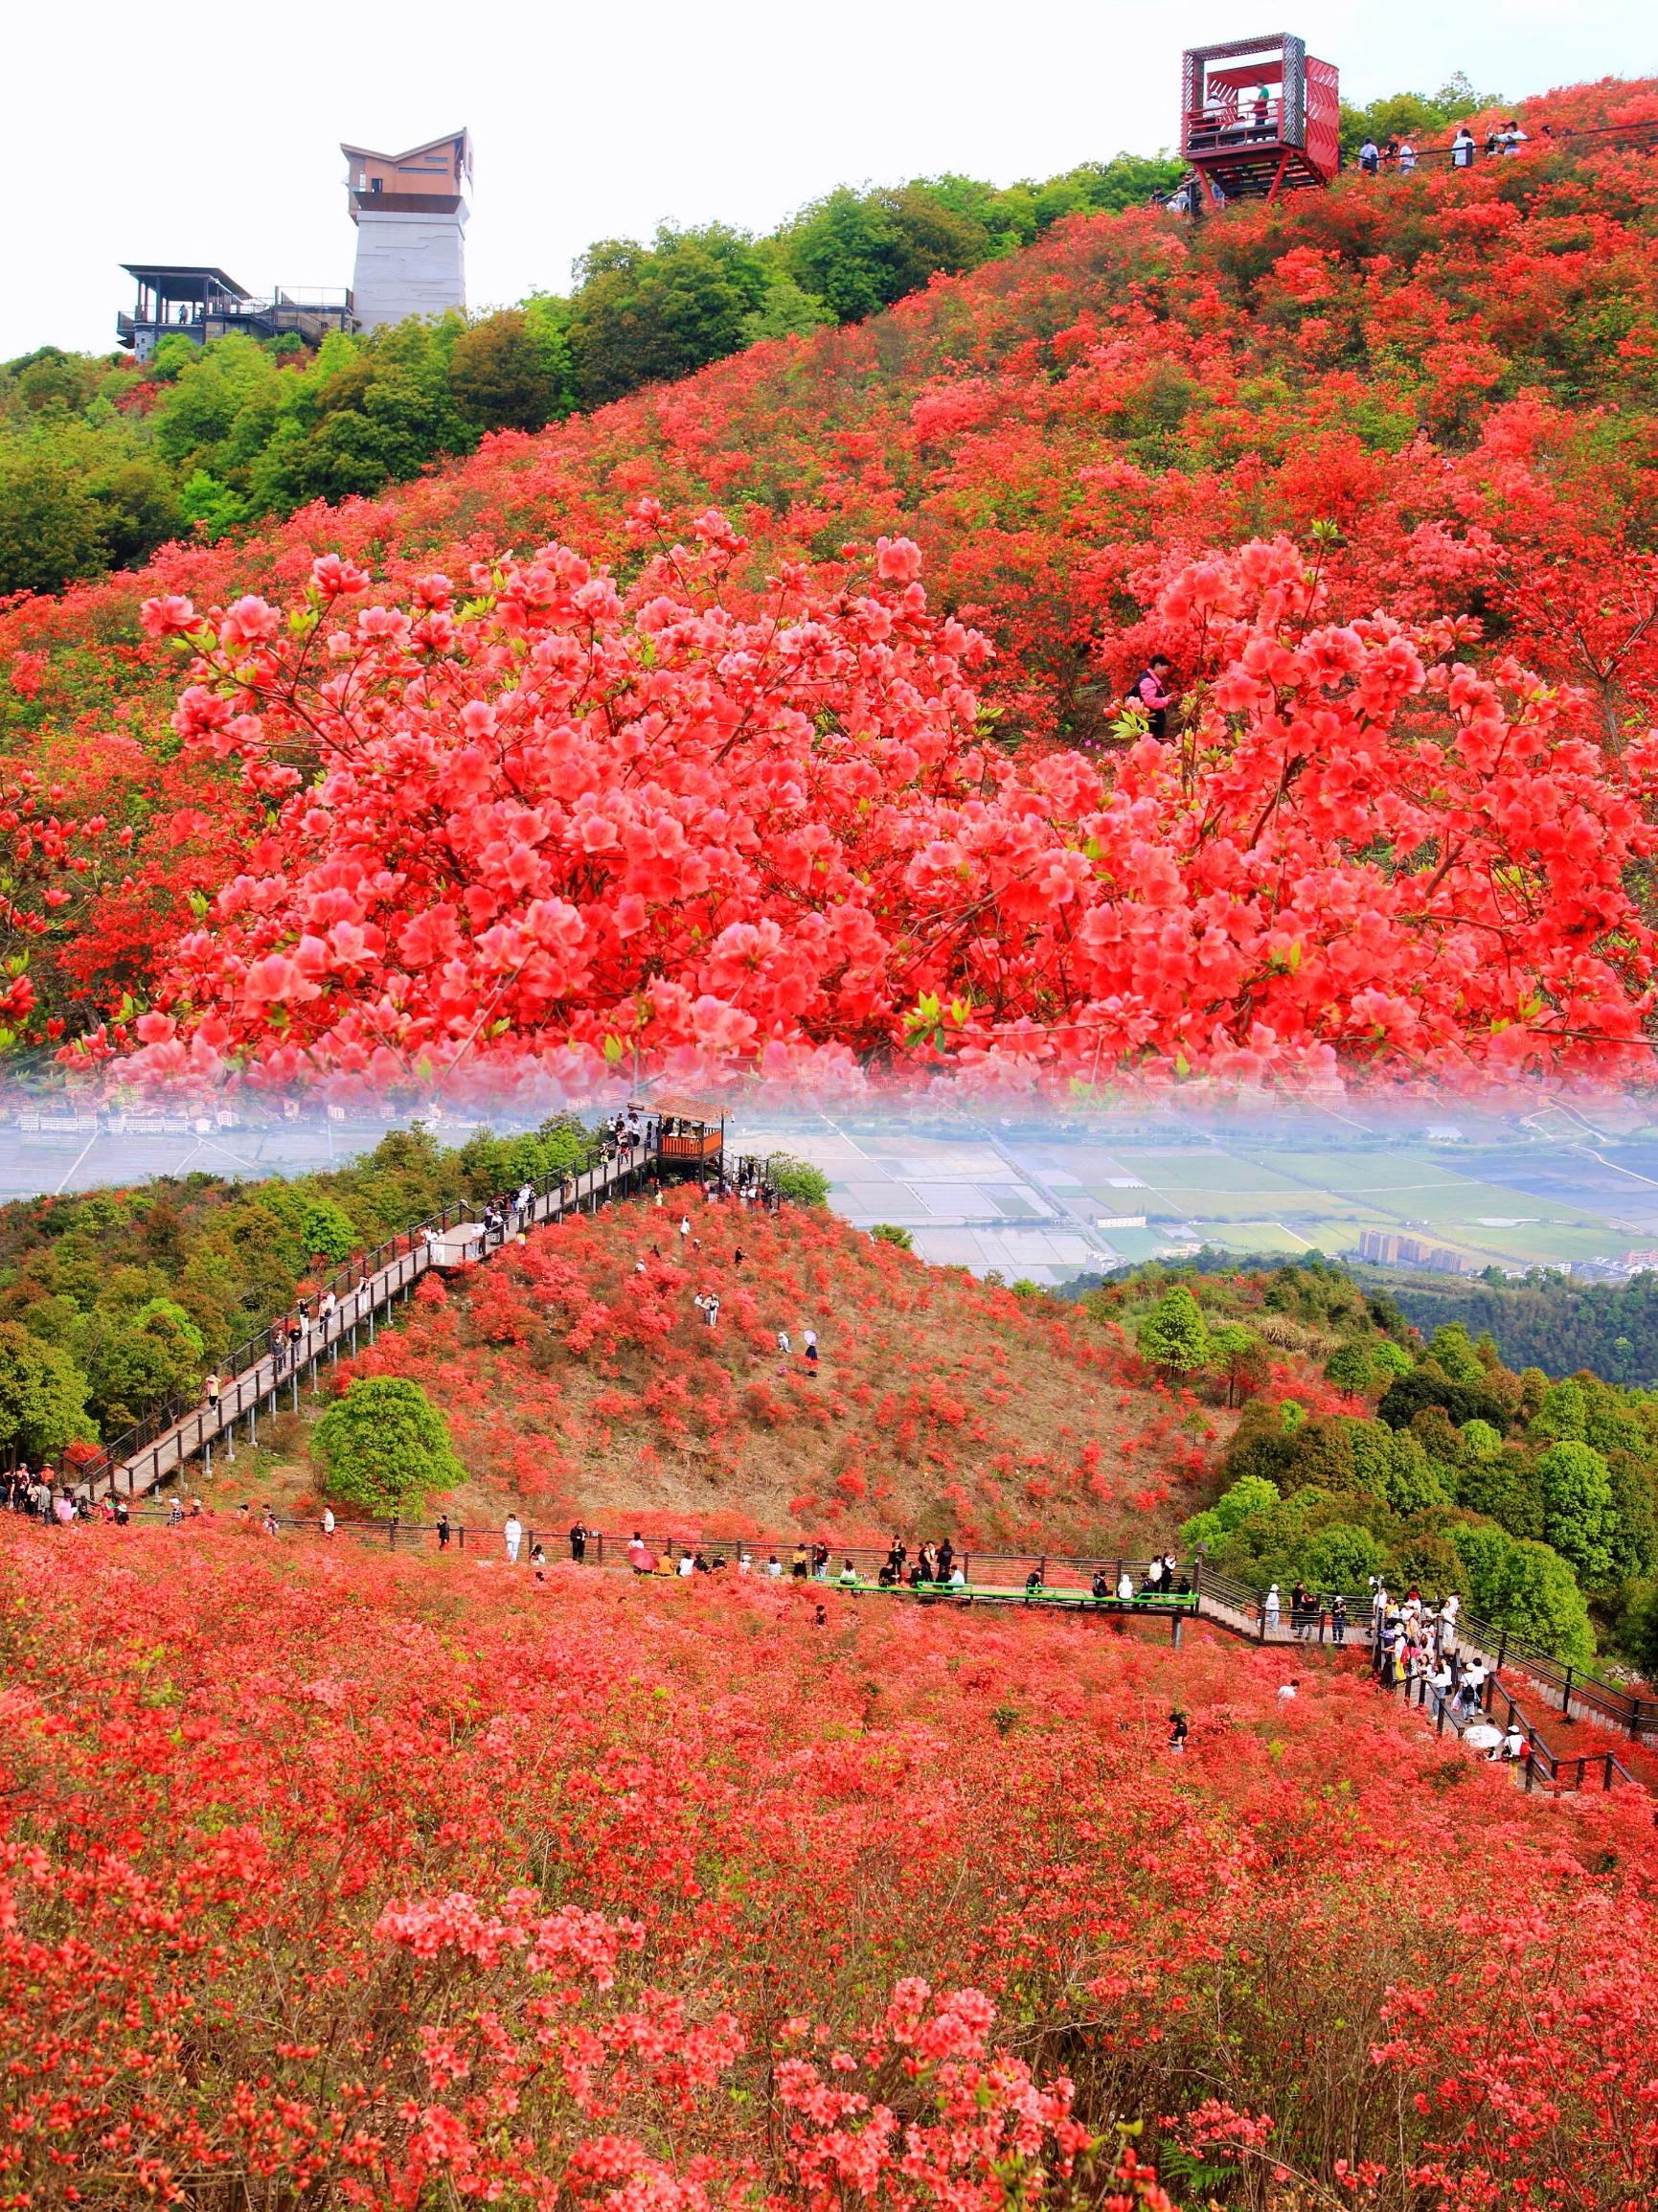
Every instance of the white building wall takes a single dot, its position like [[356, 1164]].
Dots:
[[408, 264]]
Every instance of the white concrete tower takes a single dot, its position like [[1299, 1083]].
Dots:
[[410, 229]]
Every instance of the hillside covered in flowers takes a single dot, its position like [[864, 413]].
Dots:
[[345, 1880], [736, 724]]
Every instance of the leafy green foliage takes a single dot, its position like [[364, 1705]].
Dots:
[[804, 1185], [42, 1397], [889, 1233], [142, 1289], [1173, 1336], [384, 1446], [1579, 1516]]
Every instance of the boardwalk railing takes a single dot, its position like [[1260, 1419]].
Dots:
[[256, 1373]]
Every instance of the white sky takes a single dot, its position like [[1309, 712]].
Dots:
[[207, 131]]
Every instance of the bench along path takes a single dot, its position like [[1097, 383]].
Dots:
[[262, 1373]]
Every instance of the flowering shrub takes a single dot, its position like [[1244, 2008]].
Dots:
[[576, 1375], [1441, 382], [373, 1880], [552, 828]]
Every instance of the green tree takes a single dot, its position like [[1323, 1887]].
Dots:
[[1352, 1368], [501, 375], [1456, 1355], [803, 1184], [384, 1446], [645, 314], [328, 1230], [1342, 1556], [52, 530], [1505, 1487], [1579, 1517], [889, 1233], [1173, 1336], [43, 1396], [1413, 1482], [859, 252], [1240, 1358], [1249, 1495], [1526, 1589], [1564, 1416]]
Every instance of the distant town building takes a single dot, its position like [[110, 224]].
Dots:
[[1644, 1257], [1443, 1134], [411, 222], [1384, 1248]]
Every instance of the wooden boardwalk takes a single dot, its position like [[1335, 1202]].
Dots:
[[260, 1386]]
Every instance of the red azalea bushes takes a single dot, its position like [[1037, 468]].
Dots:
[[578, 1378], [1447, 377], [551, 830], [366, 1881]]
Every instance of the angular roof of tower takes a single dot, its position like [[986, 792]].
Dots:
[[456, 144]]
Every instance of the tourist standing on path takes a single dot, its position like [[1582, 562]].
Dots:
[[808, 1338], [1463, 147], [1338, 1620], [577, 1541], [327, 1520], [512, 1531], [1273, 1604], [210, 1392], [443, 1532]]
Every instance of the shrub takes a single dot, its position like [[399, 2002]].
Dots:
[[384, 1444], [888, 1233]]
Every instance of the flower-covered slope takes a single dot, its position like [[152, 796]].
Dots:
[[358, 1881], [939, 1406]]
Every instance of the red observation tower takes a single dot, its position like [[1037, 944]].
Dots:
[[1259, 116]]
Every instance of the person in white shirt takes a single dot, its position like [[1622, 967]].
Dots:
[[1287, 1690], [1124, 1588], [327, 1520], [1273, 1607], [1407, 158], [512, 1530], [687, 1566], [744, 1563], [774, 1567]]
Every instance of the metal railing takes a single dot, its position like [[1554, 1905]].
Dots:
[[1576, 1693], [1556, 1770]]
